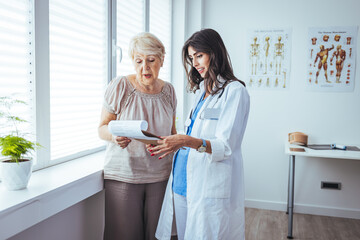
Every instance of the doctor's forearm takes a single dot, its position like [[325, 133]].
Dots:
[[195, 143]]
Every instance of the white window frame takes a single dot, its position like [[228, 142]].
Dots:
[[42, 83]]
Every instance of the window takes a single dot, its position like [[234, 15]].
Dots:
[[130, 20], [132, 17], [71, 45], [16, 59], [55, 54], [78, 74], [160, 25]]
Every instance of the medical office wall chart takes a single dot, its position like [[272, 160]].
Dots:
[[331, 59], [268, 65]]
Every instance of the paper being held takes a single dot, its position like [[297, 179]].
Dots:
[[132, 129]]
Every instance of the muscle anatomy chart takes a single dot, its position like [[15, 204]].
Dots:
[[331, 59]]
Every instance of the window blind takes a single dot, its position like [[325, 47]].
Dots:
[[78, 75], [160, 25], [16, 62], [129, 21]]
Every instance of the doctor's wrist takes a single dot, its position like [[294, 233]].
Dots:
[[192, 142]]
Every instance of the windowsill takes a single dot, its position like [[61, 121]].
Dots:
[[50, 191]]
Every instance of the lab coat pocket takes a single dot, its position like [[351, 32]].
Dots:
[[218, 180], [210, 117], [211, 113], [209, 129]]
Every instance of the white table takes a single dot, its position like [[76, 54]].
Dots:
[[338, 154]]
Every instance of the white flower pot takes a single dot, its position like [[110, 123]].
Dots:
[[15, 176]]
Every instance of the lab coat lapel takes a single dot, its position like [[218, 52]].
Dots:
[[209, 101]]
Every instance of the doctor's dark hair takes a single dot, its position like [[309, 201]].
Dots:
[[208, 41]]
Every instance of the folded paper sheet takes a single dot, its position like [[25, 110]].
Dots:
[[132, 129]]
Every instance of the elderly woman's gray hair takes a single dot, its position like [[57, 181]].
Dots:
[[147, 44]]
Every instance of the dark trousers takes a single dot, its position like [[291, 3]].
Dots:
[[132, 210]]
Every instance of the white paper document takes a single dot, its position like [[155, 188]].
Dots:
[[131, 129]]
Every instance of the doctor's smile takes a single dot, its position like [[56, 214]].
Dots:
[[200, 61]]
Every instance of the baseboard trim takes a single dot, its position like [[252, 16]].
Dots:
[[305, 209]]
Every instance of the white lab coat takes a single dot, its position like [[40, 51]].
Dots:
[[215, 182]]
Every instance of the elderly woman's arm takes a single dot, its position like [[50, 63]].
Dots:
[[104, 133], [105, 118], [173, 129]]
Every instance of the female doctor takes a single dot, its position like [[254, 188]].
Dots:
[[206, 186]]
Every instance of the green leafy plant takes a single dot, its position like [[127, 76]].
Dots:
[[14, 144]]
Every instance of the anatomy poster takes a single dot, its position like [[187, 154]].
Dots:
[[268, 65], [331, 59]]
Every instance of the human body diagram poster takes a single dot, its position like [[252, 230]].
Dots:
[[269, 59], [331, 59]]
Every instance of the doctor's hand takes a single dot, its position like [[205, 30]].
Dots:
[[167, 145], [123, 142]]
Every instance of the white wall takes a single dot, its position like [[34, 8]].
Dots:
[[325, 117], [82, 221]]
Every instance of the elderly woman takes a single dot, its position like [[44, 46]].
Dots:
[[135, 181]]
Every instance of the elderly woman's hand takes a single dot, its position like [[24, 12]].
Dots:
[[123, 142], [167, 145]]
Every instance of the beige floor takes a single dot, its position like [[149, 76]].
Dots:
[[272, 225]]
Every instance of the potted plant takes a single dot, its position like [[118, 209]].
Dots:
[[16, 167]]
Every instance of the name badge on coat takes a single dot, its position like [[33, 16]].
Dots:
[[211, 113]]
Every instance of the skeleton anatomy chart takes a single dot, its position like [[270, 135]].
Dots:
[[269, 59], [331, 59]]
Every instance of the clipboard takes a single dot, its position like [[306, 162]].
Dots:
[[135, 129], [148, 141]]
